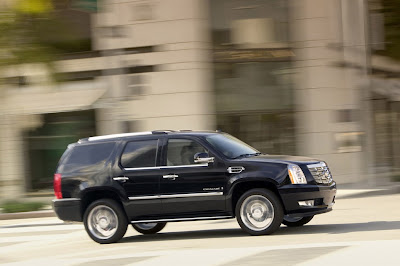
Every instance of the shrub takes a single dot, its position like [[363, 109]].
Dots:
[[15, 206]]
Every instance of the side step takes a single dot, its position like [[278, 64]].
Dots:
[[183, 219]]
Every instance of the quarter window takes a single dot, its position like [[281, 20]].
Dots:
[[182, 151], [88, 157], [139, 154]]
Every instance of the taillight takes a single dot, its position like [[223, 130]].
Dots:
[[57, 186]]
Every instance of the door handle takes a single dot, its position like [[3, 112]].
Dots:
[[121, 178], [172, 177]]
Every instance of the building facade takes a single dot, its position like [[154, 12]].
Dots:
[[286, 76]]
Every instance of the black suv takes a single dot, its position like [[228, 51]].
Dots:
[[150, 178]]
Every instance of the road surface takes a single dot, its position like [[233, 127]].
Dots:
[[361, 231]]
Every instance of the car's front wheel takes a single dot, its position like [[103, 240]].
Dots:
[[105, 221], [296, 221], [259, 212], [149, 228]]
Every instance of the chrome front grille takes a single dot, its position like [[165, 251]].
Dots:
[[320, 172]]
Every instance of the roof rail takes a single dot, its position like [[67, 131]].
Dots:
[[118, 135], [162, 131]]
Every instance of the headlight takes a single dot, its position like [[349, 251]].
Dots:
[[296, 174]]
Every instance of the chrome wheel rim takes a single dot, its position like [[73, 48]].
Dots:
[[146, 226], [102, 222], [291, 219], [257, 212]]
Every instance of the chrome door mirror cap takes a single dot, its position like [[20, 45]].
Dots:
[[203, 157]]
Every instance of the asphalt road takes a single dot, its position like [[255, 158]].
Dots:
[[362, 231]]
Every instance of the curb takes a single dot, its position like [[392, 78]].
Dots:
[[372, 193], [27, 215]]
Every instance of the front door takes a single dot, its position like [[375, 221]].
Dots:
[[141, 178], [187, 188]]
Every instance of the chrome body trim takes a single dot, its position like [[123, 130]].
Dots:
[[182, 219], [121, 178], [166, 167], [112, 136], [171, 177], [67, 199], [142, 168], [204, 160], [321, 164], [235, 169], [188, 195], [144, 197], [184, 166]]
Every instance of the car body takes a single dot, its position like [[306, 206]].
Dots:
[[147, 179]]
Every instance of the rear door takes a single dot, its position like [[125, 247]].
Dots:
[[140, 177]]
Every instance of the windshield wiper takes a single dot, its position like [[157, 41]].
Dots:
[[247, 154]]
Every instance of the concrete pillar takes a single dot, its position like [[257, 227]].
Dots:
[[12, 183], [322, 33]]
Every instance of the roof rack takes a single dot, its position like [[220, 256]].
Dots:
[[162, 131], [112, 136]]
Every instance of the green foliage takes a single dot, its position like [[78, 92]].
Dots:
[[20, 27], [16, 206], [32, 31], [33, 6]]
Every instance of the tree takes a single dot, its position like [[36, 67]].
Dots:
[[33, 31], [21, 26]]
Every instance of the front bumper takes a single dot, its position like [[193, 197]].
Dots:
[[68, 209], [322, 195]]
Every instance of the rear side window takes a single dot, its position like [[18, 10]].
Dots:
[[89, 157], [139, 154]]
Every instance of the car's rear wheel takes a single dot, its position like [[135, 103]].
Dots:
[[105, 221], [149, 228], [296, 221], [259, 212]]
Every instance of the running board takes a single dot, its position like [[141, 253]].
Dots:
[[183, 219]]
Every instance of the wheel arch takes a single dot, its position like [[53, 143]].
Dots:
[[241, 187], [89, 196]]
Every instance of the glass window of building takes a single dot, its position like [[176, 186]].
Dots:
[[253, 72]]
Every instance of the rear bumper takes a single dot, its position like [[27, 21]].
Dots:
[[68, 209], [323, 196]]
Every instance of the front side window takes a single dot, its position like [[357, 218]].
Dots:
[[139, 154], [230, 146], [182, 151], [87, 157]]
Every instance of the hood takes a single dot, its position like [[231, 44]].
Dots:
[[287, 159]]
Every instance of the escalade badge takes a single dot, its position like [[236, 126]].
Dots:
[[213, 188]]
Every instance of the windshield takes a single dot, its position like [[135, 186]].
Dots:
[[230, 146]]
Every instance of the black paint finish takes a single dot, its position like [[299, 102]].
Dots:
[[147, 195]]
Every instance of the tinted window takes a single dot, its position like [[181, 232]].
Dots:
[[230, 146], [139, 154], [89, 157], [182, 151]]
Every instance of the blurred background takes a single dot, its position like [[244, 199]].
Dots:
[[318, 78]]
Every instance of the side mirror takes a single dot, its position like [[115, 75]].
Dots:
[[203, 157]]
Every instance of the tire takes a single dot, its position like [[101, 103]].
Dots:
[[296, 221], [259, 212], [149, 228], [105, 221]]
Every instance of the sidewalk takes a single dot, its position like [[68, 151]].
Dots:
[[348, 193], [344, 193]]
